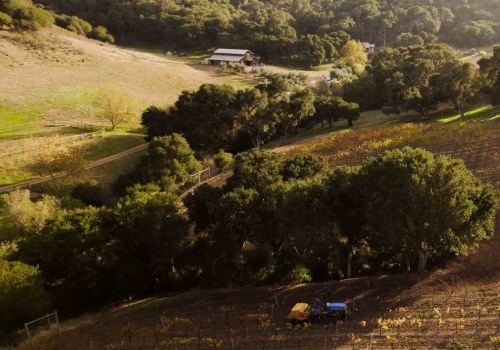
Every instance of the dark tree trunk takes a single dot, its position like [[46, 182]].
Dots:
[[287, 125], [349, 262], [339, 267], [424, 115], [408, 266], [461, 110], [422, 259], [349, 122]]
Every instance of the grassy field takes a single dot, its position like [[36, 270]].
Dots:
[[19, 168], [61, 77], [12, 116]]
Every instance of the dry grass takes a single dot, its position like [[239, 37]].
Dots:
[[57, 74], [21, 167]]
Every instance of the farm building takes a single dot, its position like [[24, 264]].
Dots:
[[369, 48], [245, 57]]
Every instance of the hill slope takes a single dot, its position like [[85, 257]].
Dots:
[[456, 306], [251, 317], [56, 74]]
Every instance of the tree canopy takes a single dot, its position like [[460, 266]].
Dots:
[[22, 297], [312, 31]]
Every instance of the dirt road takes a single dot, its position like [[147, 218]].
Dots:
[[97, 163]]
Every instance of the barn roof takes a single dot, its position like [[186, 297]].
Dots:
[[231, 52], [227, 58]]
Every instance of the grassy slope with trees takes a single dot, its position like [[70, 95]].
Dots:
[[310, 31], [406, 199]]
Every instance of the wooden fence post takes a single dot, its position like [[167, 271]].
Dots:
[[29, 335], [57, 322]]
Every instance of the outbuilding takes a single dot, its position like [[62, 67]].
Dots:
[[369, 48], [245, 57]]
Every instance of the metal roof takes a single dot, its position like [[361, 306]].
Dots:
[[368, 45], [226, 58], [230, 52]]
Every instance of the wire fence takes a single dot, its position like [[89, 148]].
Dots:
[[46, 322], [85, 125], [199, 177], [69, 139], [24, 126]]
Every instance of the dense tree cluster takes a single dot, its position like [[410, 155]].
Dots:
[[168, 163], [22, 297], [91, 256], [394, 211], [308, 30], [490, 67], [275, 220], [24, 15], [415, 78], [219, 117]]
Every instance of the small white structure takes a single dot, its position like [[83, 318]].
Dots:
[[369, 48]]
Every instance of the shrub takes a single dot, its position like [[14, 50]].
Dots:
[[285, 274], [90, 194], [74, 24], [32, 18], [5, 19], [100, 33], [223, 160], [298, 274], [22, 297]]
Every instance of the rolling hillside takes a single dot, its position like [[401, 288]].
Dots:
[[55, 74], [457, 307], [58, 74]]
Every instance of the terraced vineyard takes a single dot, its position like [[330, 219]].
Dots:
[[397, 312]]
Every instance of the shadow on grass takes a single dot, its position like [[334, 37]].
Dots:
[[40, 132], [156, 302], [476, 113], [112, 144]]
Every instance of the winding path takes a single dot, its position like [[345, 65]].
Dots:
[[94, 164]]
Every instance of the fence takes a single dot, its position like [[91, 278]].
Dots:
[[198, 178], [21, 127], [46, 319], [68, 139], [53, 123]]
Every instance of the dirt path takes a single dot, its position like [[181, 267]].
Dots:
[[31, 182]]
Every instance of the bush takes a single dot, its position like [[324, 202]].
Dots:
[[5, 19], [22, 297], [232, 67], [74, 24], [90, 194], [223, 160], [298, 274], [100, 33], [285, 274], [32, 18]]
